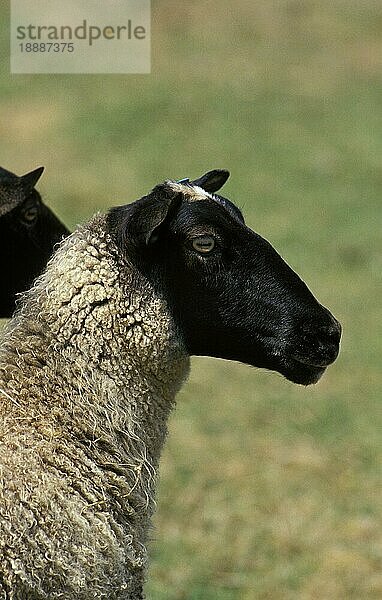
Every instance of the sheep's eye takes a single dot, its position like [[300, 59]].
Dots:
[[203, 244], [29, 215]]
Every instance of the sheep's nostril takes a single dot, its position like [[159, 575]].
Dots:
[[329, 332], [330, 351], [319, 344], [332, 330]]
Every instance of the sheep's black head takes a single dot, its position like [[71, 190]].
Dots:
[[231, 294], [28, 232]]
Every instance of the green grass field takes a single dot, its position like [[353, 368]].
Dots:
[[268, 490]]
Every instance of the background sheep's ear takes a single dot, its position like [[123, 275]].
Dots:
[[10, 191], [138, 224], [212, 181], [29, 180], [14, 189]]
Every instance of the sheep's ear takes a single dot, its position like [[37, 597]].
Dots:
[[10, 192], [212, 181], [148, 218], [138, 224], [14, 190], [29, 180]]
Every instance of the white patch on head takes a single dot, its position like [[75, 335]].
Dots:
[[190, 192]]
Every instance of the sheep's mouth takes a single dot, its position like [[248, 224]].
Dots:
[[301, 371], [302, 364]]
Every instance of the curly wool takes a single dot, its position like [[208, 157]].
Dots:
[[89, 369]]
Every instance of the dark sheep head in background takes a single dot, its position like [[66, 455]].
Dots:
[[28, 232]]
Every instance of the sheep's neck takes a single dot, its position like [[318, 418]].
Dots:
[[120, 408], [106, 345]]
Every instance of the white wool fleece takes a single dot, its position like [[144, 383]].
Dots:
[[89, 369]]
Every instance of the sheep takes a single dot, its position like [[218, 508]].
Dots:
[[28, 232], [90, 365]]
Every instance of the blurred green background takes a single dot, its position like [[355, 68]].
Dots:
[[268, 490]]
